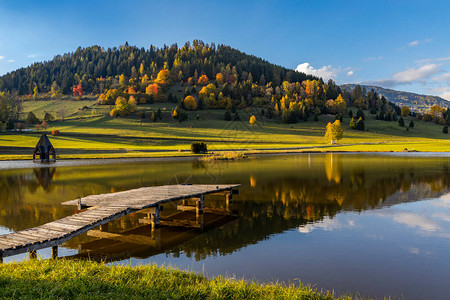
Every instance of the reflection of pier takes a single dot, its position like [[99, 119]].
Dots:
[[107, 207], [141, 242]]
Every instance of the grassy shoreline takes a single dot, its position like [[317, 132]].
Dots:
[[85, 279]]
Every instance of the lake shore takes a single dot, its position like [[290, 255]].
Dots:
[[86, 279]]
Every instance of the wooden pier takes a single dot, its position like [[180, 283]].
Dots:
[[103, 208]]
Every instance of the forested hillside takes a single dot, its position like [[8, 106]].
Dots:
[[93, 66], [196, 76], [414, 101]]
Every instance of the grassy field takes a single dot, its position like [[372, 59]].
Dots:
[[63, 279], [89, 132]]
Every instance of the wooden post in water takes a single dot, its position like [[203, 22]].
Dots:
[[80, 206], [199, 206], [33, 254], [1, 257], [54, 252], [155, 217], [104, 227], [229, 200]]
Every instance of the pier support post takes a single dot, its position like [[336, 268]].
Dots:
[[104, 227], [199, 206], [1, 257], [33, 254], [229, 200], [80, 206], [155, 217], [54, 252]]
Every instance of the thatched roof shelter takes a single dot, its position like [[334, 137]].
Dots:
[[44, 149]]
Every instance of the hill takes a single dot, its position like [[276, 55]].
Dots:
[[90, 65], [416, 102]]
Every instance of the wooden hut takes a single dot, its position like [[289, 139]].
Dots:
[[44, 149]]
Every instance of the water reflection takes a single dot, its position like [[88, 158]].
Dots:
[[372, 202]]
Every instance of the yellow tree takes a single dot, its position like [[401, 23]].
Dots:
[[405, 111], [122, 80], [219, 78], [189, 103], [163, 77], [340, 105], [334, 132], [252, 120]]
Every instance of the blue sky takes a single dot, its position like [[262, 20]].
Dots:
[[403, 45]]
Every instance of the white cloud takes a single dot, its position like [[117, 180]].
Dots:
[[326, 72], [350, 73], [445, 95], [32, 55], [416, 221], [409, 76], [413, 74], [413, 43], [11, 60], [442, 77], [326, 224], [372, 58], [428, 60], [1, 57]]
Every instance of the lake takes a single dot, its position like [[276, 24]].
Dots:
[[365, 224]]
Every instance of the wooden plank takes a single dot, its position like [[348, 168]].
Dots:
[[31, 236], [4, 244], [68, 221], [59, 227]]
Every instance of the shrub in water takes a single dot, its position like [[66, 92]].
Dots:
[[199, 147]]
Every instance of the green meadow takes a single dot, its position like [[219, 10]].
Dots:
[[89, 132]]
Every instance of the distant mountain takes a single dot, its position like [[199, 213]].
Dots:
[[414, 101]]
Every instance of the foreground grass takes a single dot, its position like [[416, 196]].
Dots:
[[84, 279]]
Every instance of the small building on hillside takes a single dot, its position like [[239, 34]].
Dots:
[[44, 150]]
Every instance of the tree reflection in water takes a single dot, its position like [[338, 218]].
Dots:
[[277, 193]]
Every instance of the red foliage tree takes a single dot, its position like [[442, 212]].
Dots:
[[78, 90]]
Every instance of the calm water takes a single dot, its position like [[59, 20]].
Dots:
[[373, 224]]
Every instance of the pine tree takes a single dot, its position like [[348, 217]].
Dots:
[[227, 116], [360, 124], [401, 122], [360, 114], [445, 129], [411, 124]]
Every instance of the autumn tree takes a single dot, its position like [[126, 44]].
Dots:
[[252, 120], [334, 131], [353, 123], [123, 80], [405, 111], [189, 103], [78, 90], [154, 90], [203, 80], [35, 92], [123, 107], [340, 105], [219, 78], [163, 77]]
